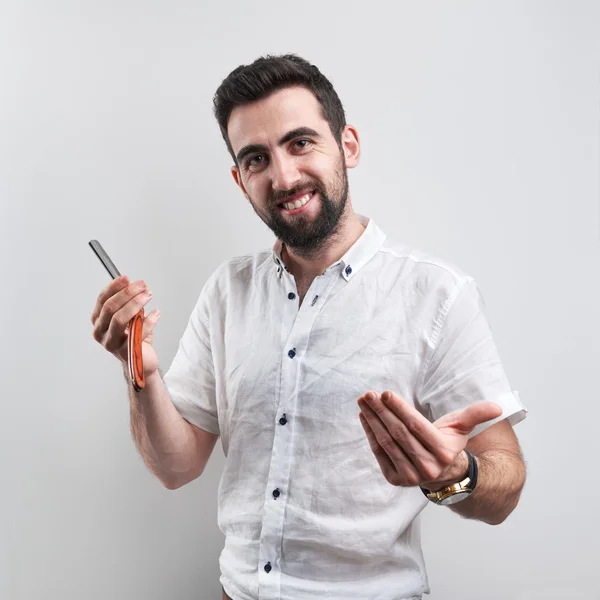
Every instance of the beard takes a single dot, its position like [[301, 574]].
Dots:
[[307, 235]]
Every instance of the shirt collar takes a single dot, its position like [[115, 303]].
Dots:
[[365, 247]]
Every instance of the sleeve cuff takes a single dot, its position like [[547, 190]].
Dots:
[[195, 415], [512, 409]]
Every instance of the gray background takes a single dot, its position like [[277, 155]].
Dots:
[[479, 124]]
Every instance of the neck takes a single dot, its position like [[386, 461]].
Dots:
[[303, 266]]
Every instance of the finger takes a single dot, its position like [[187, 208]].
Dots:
[[115, 336], [116, 285], [112, 305], [385, 464], [405, 470], [420, 427], [425, 462], [421, 456], [464, 421]]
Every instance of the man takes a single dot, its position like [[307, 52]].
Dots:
[[352, 379]]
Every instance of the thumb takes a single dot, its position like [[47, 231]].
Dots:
[[464, 421], [149, 323]]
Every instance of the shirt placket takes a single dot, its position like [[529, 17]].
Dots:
[[294, 348]]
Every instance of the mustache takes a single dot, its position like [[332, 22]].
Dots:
[[282, 195]]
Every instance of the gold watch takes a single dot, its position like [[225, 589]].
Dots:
[[456, 492]]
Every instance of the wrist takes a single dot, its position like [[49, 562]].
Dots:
[[154, 379], [455, 473]]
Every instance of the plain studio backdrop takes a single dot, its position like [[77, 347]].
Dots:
[[479, 124]]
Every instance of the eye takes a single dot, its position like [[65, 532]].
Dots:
[[302, 144], [256, 161]]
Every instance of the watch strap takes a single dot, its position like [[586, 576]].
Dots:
[[475, 470]]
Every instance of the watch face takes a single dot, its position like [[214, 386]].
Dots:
[[454, 498]]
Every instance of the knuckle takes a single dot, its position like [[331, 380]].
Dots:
[[119, 320], [375, 447], [112, 340], [416, 426], [430, 472], [130, 291], [398, 432], [109, 307], [445, 456], [388, 444], [412, 479], [378, 409], [109, 342]]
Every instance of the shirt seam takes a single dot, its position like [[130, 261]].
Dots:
[[409, 255], [439, 323]]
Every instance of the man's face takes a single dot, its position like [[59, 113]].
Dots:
[[286, 153]]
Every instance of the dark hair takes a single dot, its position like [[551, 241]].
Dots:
[[268, 74]]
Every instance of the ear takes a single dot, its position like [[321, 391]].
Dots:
[[350, 146], [235, 172]]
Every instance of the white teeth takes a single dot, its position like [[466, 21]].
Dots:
[[298, 203]]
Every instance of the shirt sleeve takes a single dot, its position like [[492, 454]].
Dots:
[[462, 366], [191, 377]]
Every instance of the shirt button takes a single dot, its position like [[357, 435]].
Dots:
[[348, 270], [268, 567], [292, 353], [291, 295], [283, 420], [276, 493]]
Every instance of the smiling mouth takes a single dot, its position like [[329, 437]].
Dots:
[[298, 203]]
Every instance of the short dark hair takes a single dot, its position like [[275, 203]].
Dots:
[[269, 74]]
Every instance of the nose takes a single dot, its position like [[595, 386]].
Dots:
[[284, 173]]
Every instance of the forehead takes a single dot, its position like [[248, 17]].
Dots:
[[266, 120]]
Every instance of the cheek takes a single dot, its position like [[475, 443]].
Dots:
[[257, 187], [325, 167]]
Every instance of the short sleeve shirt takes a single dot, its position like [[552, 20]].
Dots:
[[304, 507]]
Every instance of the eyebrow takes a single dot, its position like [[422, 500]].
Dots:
[[290, 135]]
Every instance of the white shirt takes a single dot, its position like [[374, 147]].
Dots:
[[304, 507]]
